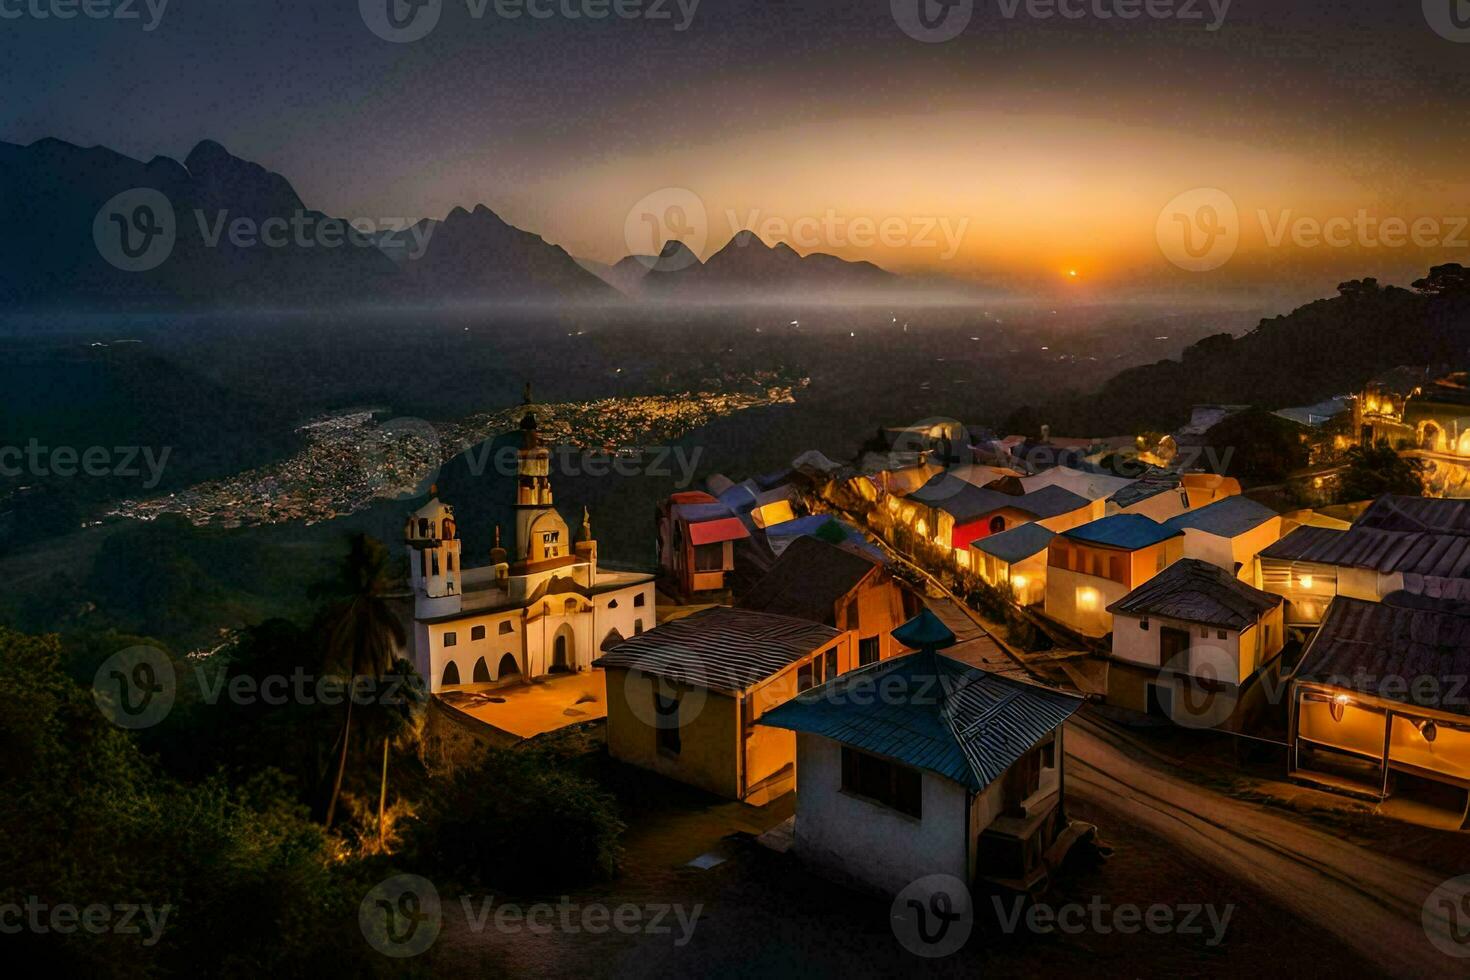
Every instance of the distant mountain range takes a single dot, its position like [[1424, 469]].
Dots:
[[91, 227], [746, 268]]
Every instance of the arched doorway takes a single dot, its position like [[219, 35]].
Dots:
[[563, 651], [451, 675], [482, 671], [1432, 437], [508, 666]]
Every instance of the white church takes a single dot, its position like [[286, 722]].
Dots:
[[541, 608]]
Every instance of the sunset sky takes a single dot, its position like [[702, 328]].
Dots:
[[1044, 146]]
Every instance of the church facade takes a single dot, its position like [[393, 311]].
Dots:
[[540, 607]]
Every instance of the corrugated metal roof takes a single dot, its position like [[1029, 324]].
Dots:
[[721, 648], [1392, 512], [1198, 592], [1128, 531], [1381, 649], [1226, 518], [1017, 544], [931, 712], [1436, 555], [967, 502]]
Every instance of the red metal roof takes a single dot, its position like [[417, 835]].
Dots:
[[712, 532]]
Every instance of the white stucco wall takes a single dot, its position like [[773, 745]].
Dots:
[[1062, 589], [869, 843], [1210, 657]]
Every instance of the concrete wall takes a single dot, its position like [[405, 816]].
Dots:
[[1064, 600], [867, 842], [709, 731]]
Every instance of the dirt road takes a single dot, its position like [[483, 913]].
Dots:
[[1371, 903]]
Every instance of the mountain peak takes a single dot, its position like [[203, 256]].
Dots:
[[207, 155]]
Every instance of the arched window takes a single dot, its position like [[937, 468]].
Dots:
[[451, 675], [997, 524], [570, 607]]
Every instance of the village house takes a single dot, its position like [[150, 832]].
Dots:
[[1379, 704], [1425, 412], [1015, 561], [541, 607], [1229, 533], [1188, 641], [837, 587], [696, 535], [684, 699], [948, 514], [924, 765], [1092, 566], [1419, 545]]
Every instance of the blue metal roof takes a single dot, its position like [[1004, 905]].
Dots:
[[932, 712], [1017, 544], [1127, 531], [1226, 518]]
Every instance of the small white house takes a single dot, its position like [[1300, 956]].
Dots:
[[1188, 641], [924, 765]]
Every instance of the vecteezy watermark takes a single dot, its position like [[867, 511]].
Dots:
[[138, 230], [137, 688], [1450, 19], [403, 21], [1102, 918], [670, 214], [933, 916], [65, 918], [1446, 917], [832, 229], [935, 21], [120, 10], [403, 916], [677, 214], [679, 462], [1200, 230], [35, 459]]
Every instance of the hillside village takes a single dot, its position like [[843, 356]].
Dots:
[[894, 656]]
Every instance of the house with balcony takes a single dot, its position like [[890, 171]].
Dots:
[[1189, 641], [1092, 566], [924, 765], [1418, 545]]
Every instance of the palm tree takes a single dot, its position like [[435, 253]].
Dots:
[[362, 634]]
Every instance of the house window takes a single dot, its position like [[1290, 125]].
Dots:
[[477, 633], [451, 639], [1049, 755], [1219, 634], [829, 669], [1143, 623], [637, 626], [805, 676], [613, 604], [666, 719], [709, 557], [868, 651], [881, 781], [638, 600], [506, 627], [570, 607]]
